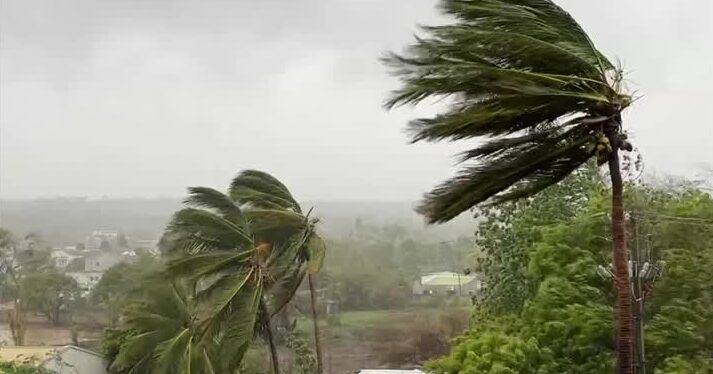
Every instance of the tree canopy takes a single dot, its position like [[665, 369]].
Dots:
[[548, 311]]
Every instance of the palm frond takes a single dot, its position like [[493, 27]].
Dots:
[[509, 176], [284, 290], [262, 190], [208, 198], [238, 327], [203, 229], [203, 264], [275, 225], [316, 249], [171, 355], [220, 296], [136, 349], [518, 72]]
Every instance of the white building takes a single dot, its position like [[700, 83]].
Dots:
[[86, 280], [95, 240], [62, 258], [448, 283]]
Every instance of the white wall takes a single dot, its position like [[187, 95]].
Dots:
[[73, 360]]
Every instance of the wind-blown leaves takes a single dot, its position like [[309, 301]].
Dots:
[[204, 197], [204, 264], [261, 190], [518, 72], [164, 333], [317, 249], [239, 255], [198, 230], [275, 225]]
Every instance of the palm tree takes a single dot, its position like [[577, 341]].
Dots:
[[276, 217], [524, 77], [234, 273], [163, 335]]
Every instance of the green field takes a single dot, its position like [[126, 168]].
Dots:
[[351, 326]]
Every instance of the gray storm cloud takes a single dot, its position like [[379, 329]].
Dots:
[[142, 98]]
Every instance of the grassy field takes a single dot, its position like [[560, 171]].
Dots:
[[349, 326]]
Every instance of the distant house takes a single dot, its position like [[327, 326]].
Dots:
[[87, 267], [86, 280], [148, 245], [95, 240], [102, 261], [447, 283], [67, 359], [62, 258], [389, 371]]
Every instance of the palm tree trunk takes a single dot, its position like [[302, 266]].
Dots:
[[315, 322], [270, 338], [624, 333]]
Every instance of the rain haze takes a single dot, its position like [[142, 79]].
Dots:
[[143, 98], [218, 186]]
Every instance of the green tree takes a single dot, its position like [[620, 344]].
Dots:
[[10, 286], [567, 311], [527, 78], [123, 282], [50, 293], [305, 361], [276, 217]]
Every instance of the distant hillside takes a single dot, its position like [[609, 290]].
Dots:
[[69, 220]]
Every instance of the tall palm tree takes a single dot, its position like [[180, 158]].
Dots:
[[276, 217], [526, 79], [234, 273], [164, 335]]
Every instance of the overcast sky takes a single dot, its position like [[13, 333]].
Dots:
[[129, 98]]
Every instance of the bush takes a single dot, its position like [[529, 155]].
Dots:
[[16, 368]]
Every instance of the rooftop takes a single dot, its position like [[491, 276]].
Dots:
[[446, 278]]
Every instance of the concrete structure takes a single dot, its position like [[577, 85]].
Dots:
[[97, 237], [101, 261], [447, 283], [67, 359], [62, 258], [86, 280]]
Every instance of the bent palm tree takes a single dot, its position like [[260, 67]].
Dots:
[[276, 217], [233, 272], [524, 76]]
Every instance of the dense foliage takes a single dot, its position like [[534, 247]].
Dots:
[[559, 319]]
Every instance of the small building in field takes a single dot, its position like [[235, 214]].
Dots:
[[66, 359], [389, 371], [447, 283]]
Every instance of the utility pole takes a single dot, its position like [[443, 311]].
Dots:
[[638, 304], [642, 275], [460, 292]]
